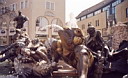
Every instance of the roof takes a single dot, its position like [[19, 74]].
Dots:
[[94, 8]]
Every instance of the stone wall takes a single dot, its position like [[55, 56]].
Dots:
[[119, 33]]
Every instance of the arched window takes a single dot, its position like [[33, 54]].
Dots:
[[41, 21], [57, 21]]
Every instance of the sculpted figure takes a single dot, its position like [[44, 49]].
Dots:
[[95, 42], [119, 58], [38, 61], [71, 50], [29, 61], [38, 50], [12, 50], [20, 19]]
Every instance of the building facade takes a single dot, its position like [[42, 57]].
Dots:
[[40, 13], [104, 15]]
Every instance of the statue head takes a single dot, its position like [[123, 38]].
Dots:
[[35, 41], [19, 12], [98, 33], [91, 30]]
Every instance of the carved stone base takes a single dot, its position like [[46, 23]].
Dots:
[[67, 70]]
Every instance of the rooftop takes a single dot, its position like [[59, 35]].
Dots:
[[94, 8]]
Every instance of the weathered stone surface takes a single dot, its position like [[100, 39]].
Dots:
[[120, 32]]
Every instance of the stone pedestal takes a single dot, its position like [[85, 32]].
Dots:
[[66, 71]]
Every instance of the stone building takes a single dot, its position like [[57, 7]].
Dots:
[[40, 13], [104, 15]]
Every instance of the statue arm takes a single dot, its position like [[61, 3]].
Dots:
[[25, 19], [15, 19], [85, 42], [6, 49]]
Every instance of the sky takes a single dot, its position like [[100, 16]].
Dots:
[[77, 6]]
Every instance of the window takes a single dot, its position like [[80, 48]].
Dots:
[[113, 10], [106, 8], [97, 12], [89, 15], [97, 22], [21, 5], [114, 3], [13, 7], [108, 13], [84, 17], [47, 5], [127, 12], [50, 5], [26, 3], [41, 21], [119, 1], [78, 19]]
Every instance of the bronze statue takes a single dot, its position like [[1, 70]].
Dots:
[[20, 19], [71, 50], [95, 42], [29, 60]]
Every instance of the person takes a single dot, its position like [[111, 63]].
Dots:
[[20, 19]]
